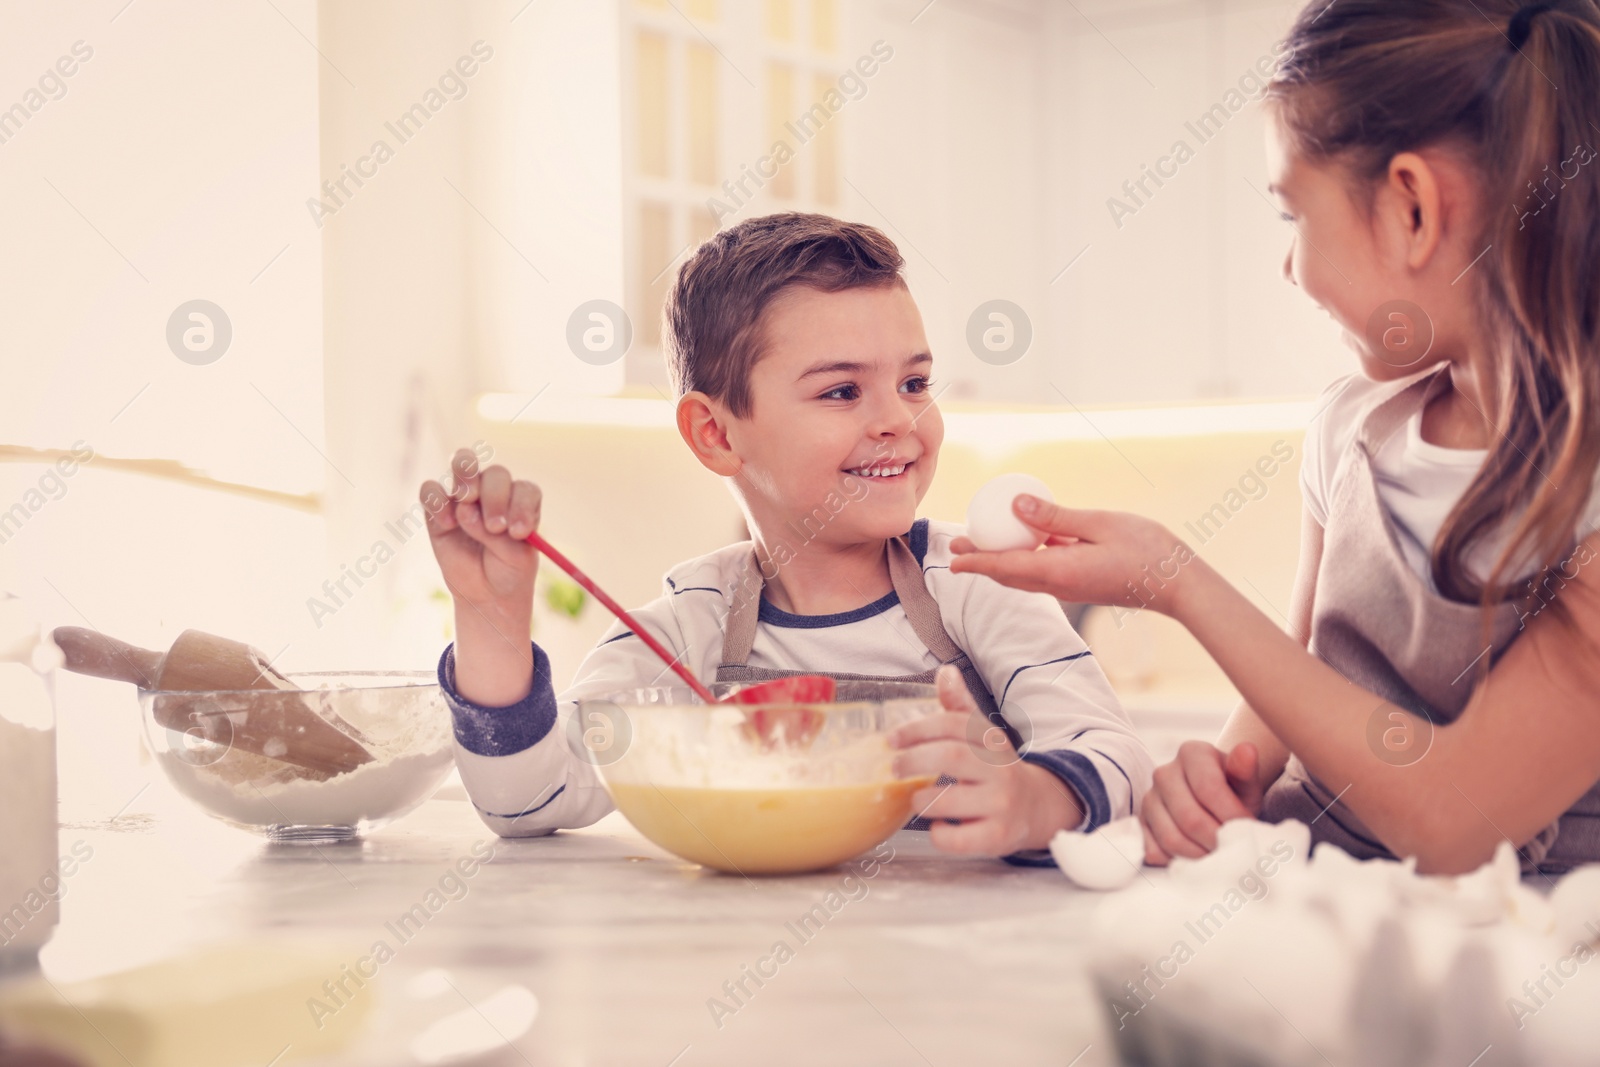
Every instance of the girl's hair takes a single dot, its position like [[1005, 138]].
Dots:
[[1514, 89]]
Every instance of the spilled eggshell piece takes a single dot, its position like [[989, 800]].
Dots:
[[1108, 858]]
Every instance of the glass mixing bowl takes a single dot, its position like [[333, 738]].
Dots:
[[340, 755], [755, 788]]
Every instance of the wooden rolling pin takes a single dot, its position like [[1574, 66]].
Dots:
[[280, 725]]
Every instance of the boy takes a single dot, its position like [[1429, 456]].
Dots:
[[801, 367]]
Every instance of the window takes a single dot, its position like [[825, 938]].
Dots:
[[711, 90]]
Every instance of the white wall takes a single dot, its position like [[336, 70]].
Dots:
[[455, 269], [989, 148], [947, 154], [174, 167]]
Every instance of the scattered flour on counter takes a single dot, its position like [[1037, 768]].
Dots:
[[256, 791]]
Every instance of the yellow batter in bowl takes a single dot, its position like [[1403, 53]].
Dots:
[[768, 831], [698, 781]]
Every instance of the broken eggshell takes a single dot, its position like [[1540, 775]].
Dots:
[[1576, 903], [1105, 859], [1241, 844]]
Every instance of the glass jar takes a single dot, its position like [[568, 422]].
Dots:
[[30, 872]]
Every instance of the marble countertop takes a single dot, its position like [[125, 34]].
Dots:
[[930, 960]]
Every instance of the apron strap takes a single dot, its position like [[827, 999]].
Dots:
[[920, 607], [1389, 415], [922, 611], [739, 629]]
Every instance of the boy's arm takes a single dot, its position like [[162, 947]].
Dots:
[[521, 779], [525, 766], [1051, 689], [512, 735], [1079, 763]]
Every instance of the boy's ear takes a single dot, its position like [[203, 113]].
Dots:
[[702, 423]]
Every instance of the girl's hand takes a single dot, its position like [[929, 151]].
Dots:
[[1089, 557], [1002, 803], [1194, 795], [477, 532]]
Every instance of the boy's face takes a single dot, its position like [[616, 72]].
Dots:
[[840, 394]]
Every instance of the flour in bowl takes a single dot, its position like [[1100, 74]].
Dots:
[[255, 791]]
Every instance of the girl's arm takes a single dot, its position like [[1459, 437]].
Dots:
[[1524, 749], [1244, 725], [1206, 785]]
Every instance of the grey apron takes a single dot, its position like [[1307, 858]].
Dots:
[[920, 608], [1378, 623]]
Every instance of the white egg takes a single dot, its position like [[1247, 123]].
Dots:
[[1108, 858], [992, 525]]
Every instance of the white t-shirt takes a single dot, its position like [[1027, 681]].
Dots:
[[879, 634], [1418, 482]]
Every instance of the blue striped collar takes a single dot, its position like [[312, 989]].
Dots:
[[774, 616]]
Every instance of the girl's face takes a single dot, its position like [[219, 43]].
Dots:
[[1373, 271]]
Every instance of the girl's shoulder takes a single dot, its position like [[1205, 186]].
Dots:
[[1337, 415], [1341, 407]]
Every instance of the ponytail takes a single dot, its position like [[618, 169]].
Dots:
[[1543, 299]]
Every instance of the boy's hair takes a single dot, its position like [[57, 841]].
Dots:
[[712, 328]]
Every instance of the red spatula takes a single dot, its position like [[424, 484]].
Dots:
[[797, 725], [799, 689]]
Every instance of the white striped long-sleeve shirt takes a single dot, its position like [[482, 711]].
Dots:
[[523, 765]]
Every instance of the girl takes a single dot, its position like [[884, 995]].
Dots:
[[1441, 692]]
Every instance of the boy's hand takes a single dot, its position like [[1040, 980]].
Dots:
[[1194, 795], [1002, 804], [477, 531]]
